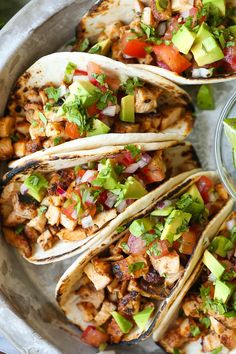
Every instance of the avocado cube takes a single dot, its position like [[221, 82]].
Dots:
[[197, 205], [205, 98], [98, 128], [134, 189], [87, 92], [217, 3], [141, 318], [232, 30], [163, 212], [107, 177], [221, 245], [223, 290], [140, 226], [175, 225], [101, 47], [37, 186], [123, 323], [213, 264], [183, 39], [127, 113]]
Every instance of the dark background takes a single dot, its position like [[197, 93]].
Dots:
[[8, 8]]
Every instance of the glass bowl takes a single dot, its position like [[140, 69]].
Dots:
[[223, 149]]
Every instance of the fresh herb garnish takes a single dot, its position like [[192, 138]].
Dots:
[[133, 149], [106, 98], [42, 117], [84, 45], [100, 78], [125, 246], [183, 227], [57, 140], [195, 330], [205, 321], [42, 209], [19, 229], [134, 267], [154, 250], [76, 113], [131, 83], [149, 31], [184, 201], [217, 350], [120, 229], [96, 49], [69, 72], [53, 93], [148, 238]]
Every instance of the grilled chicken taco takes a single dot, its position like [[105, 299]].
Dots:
[[206, 321], [184, 41], [51, 209], [120, 289], [67, 97]]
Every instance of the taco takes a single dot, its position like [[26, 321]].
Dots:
[[165, 37], [119, 290], [66, 97], [203, 319], [55, 208]]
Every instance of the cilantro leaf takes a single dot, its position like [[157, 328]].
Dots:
[[19, 229], [84, 45], [154, 250], [53, 93], [76, 113], [131, 83], [69, 72], [134, 267], [105, 99], [134, 150], [205, 321], [100, 78], [195, 331], [96, 49], [124, 246], [42, 117]]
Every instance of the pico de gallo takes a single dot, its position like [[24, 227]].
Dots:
[[195, 39], [121, 288], [208, 311]]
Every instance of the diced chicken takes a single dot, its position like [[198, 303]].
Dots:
[[147, 60], [52, 117], [33, 145], [54, 129], [121, 127], [169, 264], [31, 233], [191, 306], [229, 322], [181, 5], [100, 281], [46, 240], [147, 17], [145, 100], [138, 7], [149, 122], [112, 31], [228, 338], [210, 342], [23, 206], [88, 311], [6, 149], [170, 279], [33, 96], [222, 191], [5, 210], [18, 241], [10, 189], [31, 111], [171, 116], [173, 339], [53, 215], [38, 223], [102, 267], [102, 218], [126, 269], [55, 200], [23, 127], [13, 219], [114, 331], [216, 326], [154, 292], [43, 97], [129, 304], [37, 130], [69, 224], [76, 235], [184, 328], [88, 293], [105, 313], [161, 15], [6, 126], [20, 148]]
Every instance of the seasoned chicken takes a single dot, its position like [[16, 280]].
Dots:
[[171, 116], [173, 340], [31, 233], [46, 240], [105, 313], [147, 17], [88, 293], [210, 342], [8, 191], [102, 267], [191, 306], [102, 218], [169, 264], [170, 279], [150, 123], [6, 126], [24, 206], [18, 241], [23, 127], [13, 219], [126, 269], [145, 100], [76, 235], [53, 215], [20, 148], [5, 210], [112, 31], [99, 280], [129, 304], [114, 332], [68, 223], [88, 311], [121, 127], [6, 148], [38, 223]]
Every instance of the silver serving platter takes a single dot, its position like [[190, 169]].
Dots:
[[29, 317]]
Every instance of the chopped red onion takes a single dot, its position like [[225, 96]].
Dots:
[[122, 206], [23, 189], [212, 278], [60, 190], [230, 224], [74, 214], [111, 199], [89, 176], [89, 199], [145, 159], [78, 180], [111, 111], [132, 168], [162, 28], [87, 222], [136, 244]]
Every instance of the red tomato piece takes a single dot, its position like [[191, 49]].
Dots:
[[135, 48], [151, 173], [125, 158], [204, 184], [171, 57], [92, 336], [188, 242], [80, 72], [72, 131], [93, 110], [112, 80], [102, 198]]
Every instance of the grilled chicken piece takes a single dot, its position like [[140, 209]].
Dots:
[[88, 293], [191, 306], [6, 148], [171, 116], [173, 339], [222, 191], [23, 127], [76, 235], [123, 270], [31, 233], [55, 200], [100, 280], [69, 224], [170, 279], [54, 129], [24, 206], [20, 148], [102, 218], [227, 336], [166, 265], [105, 313], [6, 126], [102, 267], [88, 311], [112, 31], [229, 322], [181, 5], [36, 131], [8, 191], [114, 331], [210, 342], [147, 17], [46, 240], [13, 219], [18, 241], [149, 123], [130, 304], [34, 145], [53, 215], [31, 111], [185, 328], [38, 223], [145, 100], [5, 210], [121, 127]]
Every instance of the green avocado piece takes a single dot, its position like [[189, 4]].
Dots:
[[163, 212], [183, 39], [205, 48], [98, 128], [221, 245], [133, 189], [161, 5], [232, 30], [175, 225], [223, 290], [197, 205], [107, 177], [123, 323], [127, 109], [213, 264], [205, 99], [87, 92], [37, 186], [140, 226], [141, 318], [217, 3], [101, 47]]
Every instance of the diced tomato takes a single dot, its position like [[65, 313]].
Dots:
[[72, 131], [68, 210], [80, 72], [92, 210], [80, 172], [204, 184], [171, 57], [94, 337], [230, 58], [112, 80], [151, 173], [93, 110], [134, 47], [163, 248], [125, 158], [188, 242]]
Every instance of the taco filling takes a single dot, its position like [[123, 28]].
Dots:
[[191, 38], [121, 288], [208, 312], [87, 103]]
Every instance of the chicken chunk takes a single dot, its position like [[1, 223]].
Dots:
[[53, 215], [5, 210], [112, 31], [129, 304], [191, 306], [20, 148], [149, 122], [114, 332], [54, 129], [6, 126], [147, 17], [6, 148], [46, 240], [145, 100], [170, 279], [102, 218], [31, 233], [76, 235], [121, 127], [69, 224], [10, 189], [105, 313], [126, 269], [171, 116], [13, 219], [88, 311], [88, 293], [24, 206], [18, 241], [166, 265], [99, 280], [210, 342], [23, 127], [38, 223]]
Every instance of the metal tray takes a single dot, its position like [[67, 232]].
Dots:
[[29, 316]]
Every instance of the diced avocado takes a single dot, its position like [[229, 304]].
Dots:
[[101, 47], [37, 185], [175, 225], [134, 189], [98, 128], [223, 290], [140, 226], [197, 205], [205, 99], [183, 39], [217, 3], [141, 318], [123, 323], [213, 264], [163, 212], [87, 92], [232, 30], [205, 48], [221, 245], [107, 177], [127, 109]]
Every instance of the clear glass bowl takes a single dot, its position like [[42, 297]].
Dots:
[[223, 149]]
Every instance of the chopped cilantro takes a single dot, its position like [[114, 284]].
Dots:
[[176, 351], [131, 83], [34, 123], [19, 229], [119, 169], [42, 209], [230, 44], [230, 275], [216, 305], [42, 117], [204, 292], [195, 331], [134, 267], [148, 30], [69, 72], [189, 22], [96, 49], [47, 107], [57, 140], [84, 45], [53, 93], [148, 238], [105, 98], [205, 321], [184, 201], [148, 49], [100, 78], [124, 246], [163, 4], [76, 113], [134, 150], [217, 350], [183, 227], [159, 228], [154, 250]]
